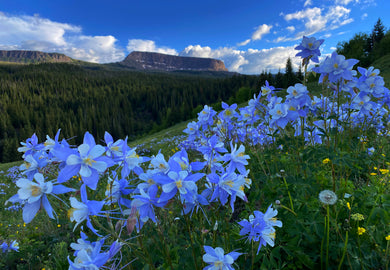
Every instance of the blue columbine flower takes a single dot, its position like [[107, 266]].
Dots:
[[260, 227], [144, 203], [113, 149], [225, 185], [217, 258], [236, 158], [81, 211], [336, 68], [88, 162], [30, 146], [89, 254], [181, 181], [35, 195], [309, 48]]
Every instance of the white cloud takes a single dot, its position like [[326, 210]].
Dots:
[[245, 42], [307, 3], [290, 28], [364, 16], [261, 31], [148, 46], [345, 2], [251, 61], [315, 21], [36, 33]]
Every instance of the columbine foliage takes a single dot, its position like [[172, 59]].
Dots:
[[164, 211]]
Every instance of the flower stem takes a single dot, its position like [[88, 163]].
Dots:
[[253, 255], [345, 249], [327, 236], [289, 195], [322, 245]]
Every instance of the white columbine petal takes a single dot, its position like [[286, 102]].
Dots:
[[96, 151], [85, 171], [83, 149]]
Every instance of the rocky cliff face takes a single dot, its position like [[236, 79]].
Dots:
[[158, 61], [20, 56]]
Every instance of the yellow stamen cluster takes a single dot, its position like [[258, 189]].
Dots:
[[35, 190], [179, 184]]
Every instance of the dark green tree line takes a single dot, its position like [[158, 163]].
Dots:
[[45, 97]]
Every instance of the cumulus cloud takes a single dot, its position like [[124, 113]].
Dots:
[[148, 46], [36, 33], [261, 31], [251, 61], [316, 20]]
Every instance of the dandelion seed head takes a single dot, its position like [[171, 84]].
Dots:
[[328, 197]]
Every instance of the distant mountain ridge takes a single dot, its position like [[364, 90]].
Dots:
[[21, 56], [165, 62], [135, 61]]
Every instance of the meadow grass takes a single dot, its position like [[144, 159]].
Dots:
[[351, 232]]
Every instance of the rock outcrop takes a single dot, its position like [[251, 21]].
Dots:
[[20, 56], [165, 62]]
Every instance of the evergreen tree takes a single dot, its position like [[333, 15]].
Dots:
[[289, 76], [300, 73], [279, 79], [376, 35], [378, 31]]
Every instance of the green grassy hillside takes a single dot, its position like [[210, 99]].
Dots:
[[383, 64]]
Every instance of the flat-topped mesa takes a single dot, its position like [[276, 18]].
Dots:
[[159, 61], [21, 56]]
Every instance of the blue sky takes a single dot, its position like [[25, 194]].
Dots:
[[249, 36]]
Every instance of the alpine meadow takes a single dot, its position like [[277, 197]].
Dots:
[[106, 168]]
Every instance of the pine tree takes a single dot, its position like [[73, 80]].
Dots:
[[376, 35], [378, 31], [300, 73], [289, 76]]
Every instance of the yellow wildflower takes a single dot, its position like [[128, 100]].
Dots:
[[326, 161], [361, 230], [387, 237], [373, 173], [349, 206], [384, 171]]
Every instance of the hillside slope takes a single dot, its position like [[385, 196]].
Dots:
[[383, 64]]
